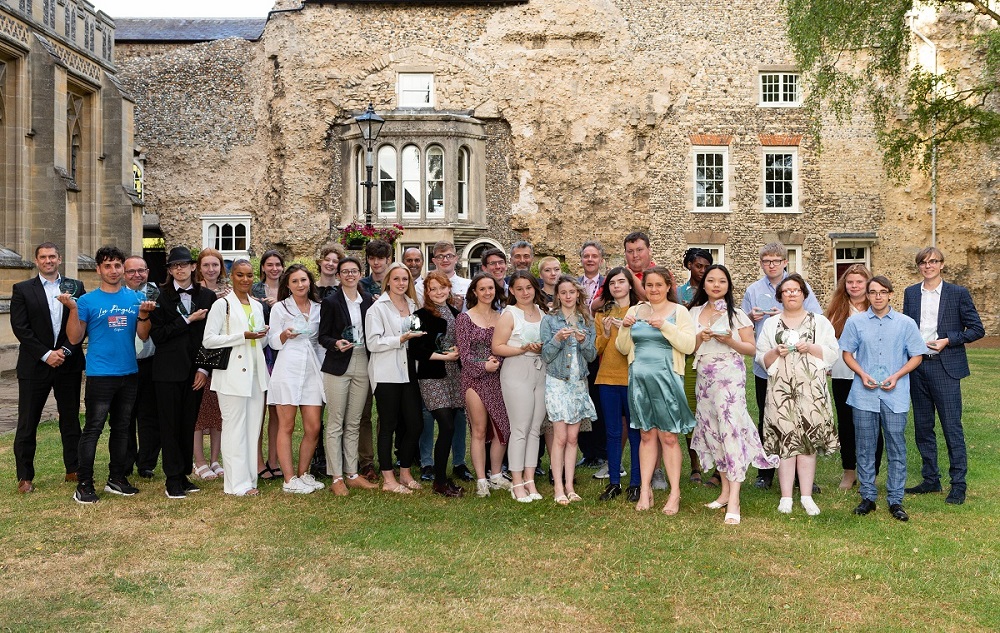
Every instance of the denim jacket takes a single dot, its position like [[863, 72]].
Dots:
[[557, 354]]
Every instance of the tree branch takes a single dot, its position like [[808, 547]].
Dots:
[[985, 10]]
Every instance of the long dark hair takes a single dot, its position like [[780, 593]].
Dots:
[[701, 297], [284, 292], [609, 302], [471, 300], [266, 256], [538, 300]]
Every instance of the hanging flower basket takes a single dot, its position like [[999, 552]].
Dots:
[[356, 235]]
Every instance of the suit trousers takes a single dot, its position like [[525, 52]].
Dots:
[[107, 398], [593, 443], [932, 389], [398, 415], [614, 401], [31, 397], [241, 421], [345, 400], [144, 427], [178, 404], [522, 382]]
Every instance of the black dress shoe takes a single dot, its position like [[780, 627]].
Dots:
[[427, 473], [610, 492], [898, 513], [865, 507], [632, 494], [956, 496], [762, 483], [923, 488], [445, 489], [145, 474], [816, 489], [462, 473]]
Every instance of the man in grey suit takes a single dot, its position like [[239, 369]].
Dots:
[[46, 361], [948, 320]]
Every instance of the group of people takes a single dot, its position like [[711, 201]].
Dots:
[[529, 364]]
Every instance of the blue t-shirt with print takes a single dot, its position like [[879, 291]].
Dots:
[[111, 323]]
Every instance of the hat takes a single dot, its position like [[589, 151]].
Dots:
[[179, 254]]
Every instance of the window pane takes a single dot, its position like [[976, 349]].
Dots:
[[709, 180], [435, 181], [463, 181], [240, 238], [411, 179], [770, 88], [778, 181], [387, 180]]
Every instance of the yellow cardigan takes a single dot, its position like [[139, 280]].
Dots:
[[680, 334]]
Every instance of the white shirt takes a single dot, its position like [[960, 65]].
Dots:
[[930, 301], [354, 310], [185, 299], [51, 289], [418, 288]]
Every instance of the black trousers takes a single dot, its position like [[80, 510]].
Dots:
[[178, 404], [594, 444], [845, 427], [398, 415], [144, 426], [442, 446], [760, 391], [31, 397]]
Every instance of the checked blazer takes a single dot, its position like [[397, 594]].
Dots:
[[958, 321]]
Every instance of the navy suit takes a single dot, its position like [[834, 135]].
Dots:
[[31, 321], [935, 385]]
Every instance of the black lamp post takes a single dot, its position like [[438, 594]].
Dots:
[[370, 125]]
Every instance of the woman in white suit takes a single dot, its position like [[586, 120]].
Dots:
[[237, 321]]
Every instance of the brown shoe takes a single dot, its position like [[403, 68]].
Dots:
[[338, 488], [359, 482], [70, 476], [368, 472], [24, 486]]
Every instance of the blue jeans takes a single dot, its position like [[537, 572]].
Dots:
[[614, 405], [457, 440], [107, 397], [866, 427]]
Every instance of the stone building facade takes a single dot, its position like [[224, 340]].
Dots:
[[553, 121], [66, 144]]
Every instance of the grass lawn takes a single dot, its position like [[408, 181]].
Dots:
[[382, 562]]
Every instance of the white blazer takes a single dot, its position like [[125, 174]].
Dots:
[[246, 360], [387, 356]]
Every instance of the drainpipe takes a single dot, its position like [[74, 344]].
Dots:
[[934, 179]]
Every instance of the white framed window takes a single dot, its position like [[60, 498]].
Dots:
[[780, 180], [411, 181], [779, 89], [435, 182], [847, 254], [387, 181], [415, 90], [471, 256], [794, 259], [464, 167], [711, 179], [718, 251], [228, 234]]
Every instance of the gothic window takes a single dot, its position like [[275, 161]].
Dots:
[[435, 182], [463, 182], [74, 112], [230, 235], [86, 33], [387, 181], [137, 179], [49, 13], [24, 6]]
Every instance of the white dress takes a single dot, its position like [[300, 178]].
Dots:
[[296, 378]]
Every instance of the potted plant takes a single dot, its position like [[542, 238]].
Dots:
[[356, 235]]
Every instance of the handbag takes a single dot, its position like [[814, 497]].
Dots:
[[217, 358]]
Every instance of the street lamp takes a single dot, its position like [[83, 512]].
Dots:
[[370, 125]]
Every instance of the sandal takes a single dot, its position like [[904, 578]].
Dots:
[[714, 481], [253, 492], [266, 473], [695, 477], [732, 519], [205, 473], [562, 500], [276, 471], [399, 489], [574, 497], [217, 469], [715, 505], [413, 484]]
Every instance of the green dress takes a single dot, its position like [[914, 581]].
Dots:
[[655, 392]]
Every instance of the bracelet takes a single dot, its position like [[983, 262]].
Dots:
[[142, 319]]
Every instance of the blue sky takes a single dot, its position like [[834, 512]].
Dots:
[[184, 8]]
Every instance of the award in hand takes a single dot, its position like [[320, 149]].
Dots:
[[69, 286], [643, 312], [352, 335]]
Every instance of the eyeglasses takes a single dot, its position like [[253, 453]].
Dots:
[[446, 256], [930, 262], [496, 263], [771, 262], [791, 292], [177, 265], [136, 271], [347, 272], [879, 293]]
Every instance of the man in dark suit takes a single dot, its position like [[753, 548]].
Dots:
[[178, 325], [948, 320], [593, 443], [46, 361], [144, 428]]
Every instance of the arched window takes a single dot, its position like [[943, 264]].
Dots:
[[387, 181], [411, 181], [463, 182], [435, 182], [228, 235], [74, 111], [472, 255]]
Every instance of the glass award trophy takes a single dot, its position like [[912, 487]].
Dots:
[[880, 373], [411, 323], [69, 286], [444, 344], [352, 335], [148, 292], [788, 338], [643, 312], [299, 324], [767, 304], [721, 325]]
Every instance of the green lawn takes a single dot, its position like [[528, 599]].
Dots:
[[381, 562]]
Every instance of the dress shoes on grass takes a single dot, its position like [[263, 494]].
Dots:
[[923, 488]]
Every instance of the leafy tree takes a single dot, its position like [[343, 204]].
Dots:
[[856, 50]]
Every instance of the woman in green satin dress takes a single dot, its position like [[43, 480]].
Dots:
[[655, 336]]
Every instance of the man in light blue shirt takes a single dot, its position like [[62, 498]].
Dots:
[[882, 347], [760, 303]]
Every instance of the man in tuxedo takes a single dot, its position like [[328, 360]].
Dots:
[[948, 320], [178, 325], [46, 361], [144, 426]]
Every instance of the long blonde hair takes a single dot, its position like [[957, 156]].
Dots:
[[410, 292], [581, 307]]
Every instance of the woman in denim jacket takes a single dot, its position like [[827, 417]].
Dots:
[[568, 344]]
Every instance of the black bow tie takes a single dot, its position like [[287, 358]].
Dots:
[[188, 291]]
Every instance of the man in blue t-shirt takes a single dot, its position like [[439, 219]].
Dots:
[[111, 316]]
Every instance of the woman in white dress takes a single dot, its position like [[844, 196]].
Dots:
[[296, 381]]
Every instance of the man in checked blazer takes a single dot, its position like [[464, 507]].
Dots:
[[948, 320], [46, 361]]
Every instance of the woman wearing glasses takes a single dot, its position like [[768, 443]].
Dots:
[[797, 347]]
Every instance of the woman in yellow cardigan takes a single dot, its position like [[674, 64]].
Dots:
[[655, 336]]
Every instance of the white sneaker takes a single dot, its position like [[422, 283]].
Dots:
[[482, 488], [498, 482], [809, 505], [659, 481], [785, 505], [310, 481], [602, 472], [297, 486]]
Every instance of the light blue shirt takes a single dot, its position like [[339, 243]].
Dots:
[[761, 294], [888, 342]]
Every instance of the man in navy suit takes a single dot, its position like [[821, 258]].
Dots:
[[948, 320], [46, 361]]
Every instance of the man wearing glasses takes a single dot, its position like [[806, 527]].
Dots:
[[759, 303], [948, 320], [445, 261], [882, 347], [144, 425], [494, 263]]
